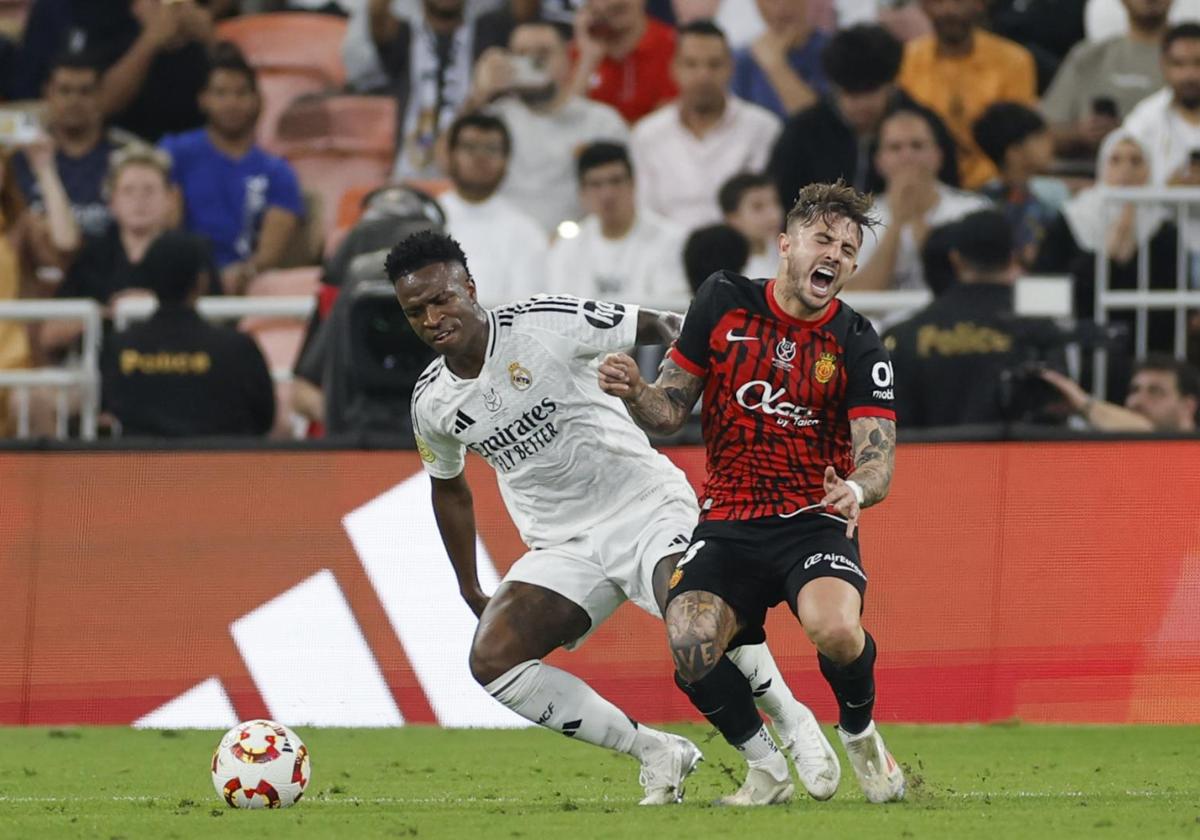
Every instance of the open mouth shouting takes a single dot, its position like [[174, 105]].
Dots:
[[821, 280]]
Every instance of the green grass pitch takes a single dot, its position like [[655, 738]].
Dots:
[[1002, 781]]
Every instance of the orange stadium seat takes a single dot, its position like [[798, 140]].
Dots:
[[279, 89], [364, 125], [330, 173], [286, 281], [300, 41]]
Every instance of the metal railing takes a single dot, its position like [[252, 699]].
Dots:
[[83, 377], [1142, 300]]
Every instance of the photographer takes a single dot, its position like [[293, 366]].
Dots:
[[950, 357], [1164, 395]]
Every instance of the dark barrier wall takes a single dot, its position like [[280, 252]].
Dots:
[[1046, 581]]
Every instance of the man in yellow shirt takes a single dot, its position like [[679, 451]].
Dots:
[[961, 69]]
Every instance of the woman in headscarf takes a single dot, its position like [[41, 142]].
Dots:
[[1087, 223]]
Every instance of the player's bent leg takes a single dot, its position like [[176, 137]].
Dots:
[[700, 626], [522, 623], [829, 610]]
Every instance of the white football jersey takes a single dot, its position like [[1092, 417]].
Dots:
[[567, 455]]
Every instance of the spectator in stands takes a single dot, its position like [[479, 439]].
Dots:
[[935, 258], [713, 248], [246, 201], [1084, 227], [838, 137], [949, 358], [142, 202], [1047, 28], [547, 123], [427, 62], [781, 70], [176, 375], [751, 206], [75, 126], [684, 151], [57, 26], [1168, 123], [14, 343], [913, 202], [1015, 138], [506, 248], [1107, 18], [158, 68], [619, 252], [50, 229], [623, 57], [1163, 396], [960, 70], [1099, 83]]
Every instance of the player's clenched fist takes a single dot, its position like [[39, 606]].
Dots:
[[619, 376]]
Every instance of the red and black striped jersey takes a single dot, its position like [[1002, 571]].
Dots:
[[779, 394]]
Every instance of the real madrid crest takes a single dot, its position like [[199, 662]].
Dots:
[[521, 378], [825, 367]]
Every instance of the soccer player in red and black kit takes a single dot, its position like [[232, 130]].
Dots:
[[800, 435]]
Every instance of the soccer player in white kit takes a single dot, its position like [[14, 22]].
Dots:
[[604, 515]]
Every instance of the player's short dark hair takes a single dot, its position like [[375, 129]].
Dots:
[[1187, 378], [480, 122], [984, 240], [832, 201], [711, 249], [601, 153], [935, 258], [74, 60], [417, 250], [862, 58], [732, 191], [227, 57], [1186, 31], [1004, 125], [173, 265], [702, 28]]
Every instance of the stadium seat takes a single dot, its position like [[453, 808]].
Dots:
[[286, 281], [364, 125], [350, 205], [299, 41], [331, 173], [279, 89]]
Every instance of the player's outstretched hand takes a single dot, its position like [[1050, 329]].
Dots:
[[841, 498], [619, 376]]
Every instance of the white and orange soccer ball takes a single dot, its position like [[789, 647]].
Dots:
[[260, 764]]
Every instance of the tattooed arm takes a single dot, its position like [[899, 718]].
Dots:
[[661, 408], [654, 327], [874, 442]]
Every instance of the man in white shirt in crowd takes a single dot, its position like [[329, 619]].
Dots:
[[1099, 83], [527, 86], [684, 151], [507, 248], [751, 206], [1168, 122], [617, 251], [913, 203]]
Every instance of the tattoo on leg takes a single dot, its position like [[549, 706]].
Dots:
[[699, 625]]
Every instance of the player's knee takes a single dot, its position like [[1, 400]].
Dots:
[[695, 655], [838, 637], [489, 660]]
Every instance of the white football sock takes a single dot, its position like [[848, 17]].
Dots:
[[760, 751], [564, 703], [771, 693]]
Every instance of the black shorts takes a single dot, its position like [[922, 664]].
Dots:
[[754, 564]]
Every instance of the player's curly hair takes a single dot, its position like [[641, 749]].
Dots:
[[828, 202], [425, 247]]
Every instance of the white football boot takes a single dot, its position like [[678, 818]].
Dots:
[[761, 788], [816, 762], [881, 778], [666, 768]]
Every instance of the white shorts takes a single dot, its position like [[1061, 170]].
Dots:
[[614, 561]]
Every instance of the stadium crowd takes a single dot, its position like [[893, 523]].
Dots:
[[621, 149]]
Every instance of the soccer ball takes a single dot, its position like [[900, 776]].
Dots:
[[260, 764]]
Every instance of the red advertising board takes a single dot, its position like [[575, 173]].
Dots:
[[1047, 581]]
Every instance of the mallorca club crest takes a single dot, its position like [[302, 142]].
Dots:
[[521, 378], [785, 351], [825, 367]]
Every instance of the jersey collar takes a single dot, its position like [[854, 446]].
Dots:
[[779, 313]]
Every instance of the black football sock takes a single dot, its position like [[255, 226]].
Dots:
[[853, 685], [725, 698]]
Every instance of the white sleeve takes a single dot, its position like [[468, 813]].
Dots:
[[587, 327], [441, 455]]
